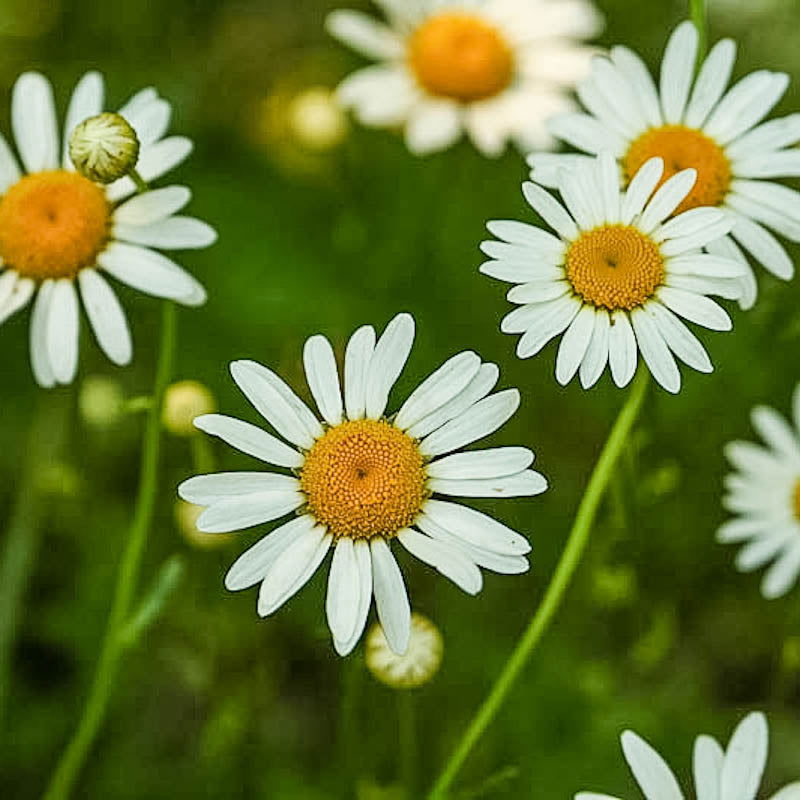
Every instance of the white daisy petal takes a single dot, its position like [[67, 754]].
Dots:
[[574, 344], [151, 273], [696, 308], [521, 271], [497, 462], [763, 246], [546, 167], [679, 338], [86, 101], [650, 770], [341, 604], [596, 358], [711, 82], [40, 355], [152, 206], [767, 137], [552, 318], [323, 378], [707, 767], [245, 511], [433, 125], [9, 169], [523, 484], [150, 120], [782, 575], [364, 34], [379, 95], [204, 490], [33, 120], [584, 132], [292, 569], [745, 758], [775, 431], [438, 388], [539, 291], [668, 197], [790, 792], [252, 565], [250, 439], [447, 560], [63, 330], [622, 352], [780, 164], [277, 403], [173, 233], [633, 68], [550, 210], [387, 362], [391, 599], [19, 297], [677, 69], [475, 528], [655, 351], [356, 366], [642, 185], [154, 161], [520, 233], [483, 418], [364, 578], [106, 316]]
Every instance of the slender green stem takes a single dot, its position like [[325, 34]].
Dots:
[[697, 12], [74, 755], [407, 740], [46, 438], [141, 183], [543, 616]]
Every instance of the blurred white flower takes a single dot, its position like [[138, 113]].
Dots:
[[764, 493], [363, 478], [696, 123], [617, 274], [59, 231], [496, 69], [416, 666], [719, 774]]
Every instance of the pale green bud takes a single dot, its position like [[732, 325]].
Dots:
[[104, 148]]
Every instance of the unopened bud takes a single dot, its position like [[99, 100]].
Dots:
[[184, 401], [104, 148]]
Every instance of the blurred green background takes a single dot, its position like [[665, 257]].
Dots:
[[659, 633]]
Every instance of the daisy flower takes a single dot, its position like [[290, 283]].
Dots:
[[616, 276], [695, 122], [764, 493], [719, 774], [496, 69], [60, 233], [363, 479]]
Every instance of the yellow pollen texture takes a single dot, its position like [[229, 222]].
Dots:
[[52, 224], [614, 267], [681, 148], [364, 478], [460, 56]]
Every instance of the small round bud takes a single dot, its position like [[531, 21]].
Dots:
[[186, 515], [104, 148], [316, 120], [184, 401], [100, 401], [419, 663]]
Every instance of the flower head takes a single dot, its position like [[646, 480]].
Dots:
[[416, 666], [733, 773], [495, 69], [363, 479], [62, 233], [764, 493], [104, 148], [617, 274], [695, 122]]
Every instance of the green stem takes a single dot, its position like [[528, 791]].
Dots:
[[74, 756], [45, 440], [407, 740], [697, 12], [141, 183], [554, 594]]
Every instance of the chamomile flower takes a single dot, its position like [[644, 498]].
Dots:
[[496, 69], [617, 274], [363, 479], [694, 122], [61, 233], [764, 493], [733, 773]]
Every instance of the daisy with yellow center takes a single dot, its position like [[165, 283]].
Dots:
[[764, 493], [617, 274], [361, 479], [494, 69], [695, 122], [61, 232]]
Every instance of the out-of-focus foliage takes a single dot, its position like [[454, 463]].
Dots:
[[659, 633]]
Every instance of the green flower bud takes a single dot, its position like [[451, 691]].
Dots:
[[104, 148]]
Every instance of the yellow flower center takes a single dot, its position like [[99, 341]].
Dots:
[[681, 148], [460, 56], [614, 267], [52, 224], [364, 478]]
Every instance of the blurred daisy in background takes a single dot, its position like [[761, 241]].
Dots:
[[698, 124], [733, 773], [363, 478], [764, 493], [617, 274], [495, 69], [60, 232]]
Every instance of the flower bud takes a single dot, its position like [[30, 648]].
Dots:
[[104, 148], [316, 120], [184, 401], [100, 401], [416, 666]]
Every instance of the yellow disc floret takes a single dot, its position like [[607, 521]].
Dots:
[[614, 267], [364, 478], [681, 148], [458, 55], [52, 224]]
